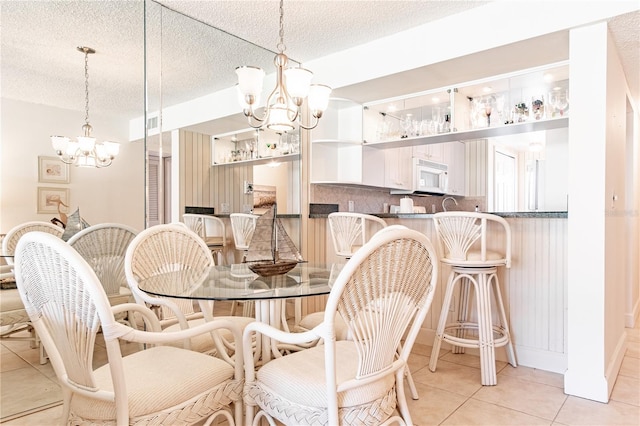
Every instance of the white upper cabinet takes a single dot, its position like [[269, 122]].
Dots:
[[337, 151], [530, 100], [372, 144]]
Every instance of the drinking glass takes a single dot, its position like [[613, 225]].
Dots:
[[405, 124], [559, 100]]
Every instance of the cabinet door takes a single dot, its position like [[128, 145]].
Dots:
[[430, 152], [373, 166], [398, 169], [454, 153]]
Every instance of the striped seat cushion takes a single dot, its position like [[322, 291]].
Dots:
[[159, 378]]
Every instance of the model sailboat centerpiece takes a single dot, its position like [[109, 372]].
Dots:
[[271, 251]]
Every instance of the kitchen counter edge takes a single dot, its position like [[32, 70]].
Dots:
[[531, 215]]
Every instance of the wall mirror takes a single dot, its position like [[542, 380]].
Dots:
[[196, 135]]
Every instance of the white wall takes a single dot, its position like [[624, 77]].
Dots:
[[111, 194], [597, 233]]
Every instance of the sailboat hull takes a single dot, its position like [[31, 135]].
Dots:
[[268, 269]]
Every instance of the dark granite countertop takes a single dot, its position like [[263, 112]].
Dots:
[[281, 216], [532, 215]]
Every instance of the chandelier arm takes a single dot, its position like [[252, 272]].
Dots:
[[258, 123], [67, 160], [317, 120]]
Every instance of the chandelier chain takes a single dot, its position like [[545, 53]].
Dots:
[[86, 87], [281, 46]]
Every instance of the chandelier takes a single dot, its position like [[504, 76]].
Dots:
[[85, 151], [293, 85]]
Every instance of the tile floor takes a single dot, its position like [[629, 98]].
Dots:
[[450, 396]]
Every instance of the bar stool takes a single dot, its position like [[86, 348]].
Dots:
[[350, 231], [462, 242], [242, 226], [212, 230]]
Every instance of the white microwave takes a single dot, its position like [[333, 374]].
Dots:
[[429, 178]]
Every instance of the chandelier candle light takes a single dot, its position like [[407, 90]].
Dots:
[[84, 151], [292, 87]]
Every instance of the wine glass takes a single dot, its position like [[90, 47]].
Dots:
[[405, 124], [487, 112], [559, 99]]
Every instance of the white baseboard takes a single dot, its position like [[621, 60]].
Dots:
[[630, 318]]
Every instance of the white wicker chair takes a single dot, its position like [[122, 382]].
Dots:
[[242, 226], [103, 246], [383, 294], [350, 231], [13, 316], [160, 385], [174, 247], [463, 245], [212, 230]]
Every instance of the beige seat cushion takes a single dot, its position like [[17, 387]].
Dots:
[[300, 378], [311, 320], [214, 241], [493, 258], [10, 300], [204, 342], [156, 379], [123, 296]]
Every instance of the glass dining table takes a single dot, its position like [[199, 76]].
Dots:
[[237, 282]]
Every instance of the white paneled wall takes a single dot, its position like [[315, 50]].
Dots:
[[534, 289]]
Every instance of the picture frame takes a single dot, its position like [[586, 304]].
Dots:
[[52, 170], [49, 199]]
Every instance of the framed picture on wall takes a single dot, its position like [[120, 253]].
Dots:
[[52, 170], [49, 199]]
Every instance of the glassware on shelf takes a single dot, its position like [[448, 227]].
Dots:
[[537, 107], [406, 123], [487, 111], [520, 113], [294, 142], [559, 102]]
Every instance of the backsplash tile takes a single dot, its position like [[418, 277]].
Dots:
[[371, 200]]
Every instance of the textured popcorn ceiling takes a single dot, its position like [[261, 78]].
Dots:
[[39, 62]]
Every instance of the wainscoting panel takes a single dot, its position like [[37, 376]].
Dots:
[[534, 289]]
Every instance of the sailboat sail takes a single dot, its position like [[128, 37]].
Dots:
[[270, 241], [261, 246], [284, 246]]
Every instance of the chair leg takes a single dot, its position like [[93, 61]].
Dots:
[[444, 314], [463, 312], [511, 355], [410, 382], [485, 333]]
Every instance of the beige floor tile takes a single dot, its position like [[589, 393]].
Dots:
[[532, 398], [434, 405], [630, 367], [451, 377], [470, 360], [633, 334], [25, 389], [420, 349], [49, 416], [633, 349], [627, 389], [418, 362], [578, 411], [533, 375], [10, 361], [475, 412]]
